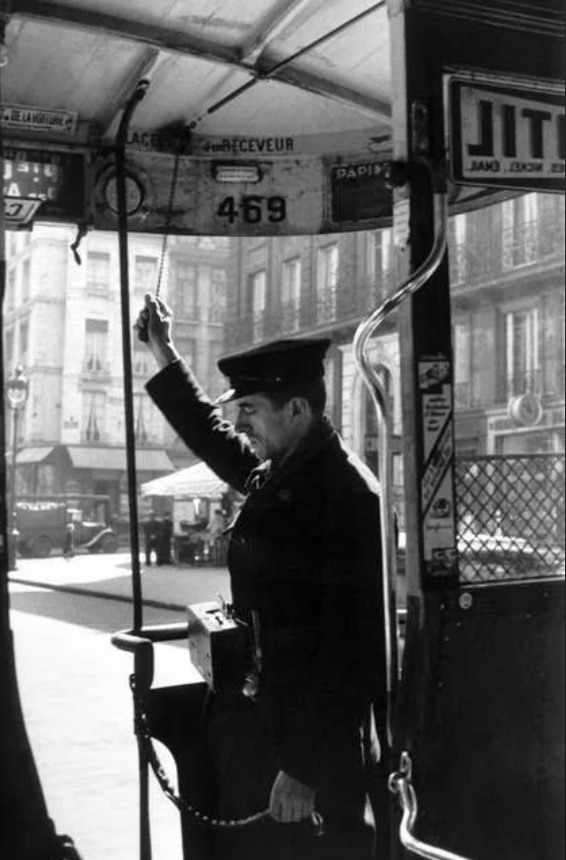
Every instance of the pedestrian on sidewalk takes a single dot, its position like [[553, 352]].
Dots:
[[69, 544], [164, 541], [151, 538], [292, 729]]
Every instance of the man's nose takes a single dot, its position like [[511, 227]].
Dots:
[[242, 425]]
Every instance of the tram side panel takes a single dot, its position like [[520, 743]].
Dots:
[[500, 760]]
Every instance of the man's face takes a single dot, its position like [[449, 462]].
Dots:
[[271, 431]]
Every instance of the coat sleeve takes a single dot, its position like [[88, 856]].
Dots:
[[329, 689], [200, 424]]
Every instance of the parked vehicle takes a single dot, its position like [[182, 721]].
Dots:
[[42, 526]]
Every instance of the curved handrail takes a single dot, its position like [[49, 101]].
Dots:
[[365, 330], [401, 783]]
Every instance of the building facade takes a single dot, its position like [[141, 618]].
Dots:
[[63, 325], [507, 283]]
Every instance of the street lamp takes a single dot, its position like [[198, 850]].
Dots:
[[17, 390]]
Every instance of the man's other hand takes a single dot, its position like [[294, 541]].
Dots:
[[291, 801]]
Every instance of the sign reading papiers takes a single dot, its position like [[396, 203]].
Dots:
[[506, 134]]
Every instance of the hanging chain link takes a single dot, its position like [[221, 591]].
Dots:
[[169, 219], [182, 804]]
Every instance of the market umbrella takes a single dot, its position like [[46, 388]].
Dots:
[[197, 481]]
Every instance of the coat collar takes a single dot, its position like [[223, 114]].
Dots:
[[321, 434]]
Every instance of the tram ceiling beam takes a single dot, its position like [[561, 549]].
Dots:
[[169, 39], [150, 34], [260, 37], [271, 25]]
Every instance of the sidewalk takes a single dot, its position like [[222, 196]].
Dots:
[[171, 587]]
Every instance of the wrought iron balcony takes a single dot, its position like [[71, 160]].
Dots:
[[489, 255]]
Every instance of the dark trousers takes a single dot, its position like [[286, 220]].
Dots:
[[244, 762]]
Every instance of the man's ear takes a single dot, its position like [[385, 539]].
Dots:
[[300, 407]]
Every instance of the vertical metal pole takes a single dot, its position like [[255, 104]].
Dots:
[[12, 539], [143, 764], [135, 98]]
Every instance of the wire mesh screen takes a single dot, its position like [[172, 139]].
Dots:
[[510, 517]]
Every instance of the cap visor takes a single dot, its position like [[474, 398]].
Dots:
[[226, 397]]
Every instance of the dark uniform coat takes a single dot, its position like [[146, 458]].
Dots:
[[305, 555]]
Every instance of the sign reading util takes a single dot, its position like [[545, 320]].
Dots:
[[505, 135]]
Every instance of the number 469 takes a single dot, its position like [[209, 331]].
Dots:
[[253, 209]]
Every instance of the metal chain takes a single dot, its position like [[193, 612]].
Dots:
[[183, 805], [169, 219]]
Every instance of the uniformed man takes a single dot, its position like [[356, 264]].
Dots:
[[291, 732]]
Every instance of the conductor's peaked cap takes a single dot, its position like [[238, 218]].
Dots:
[[273, 366]]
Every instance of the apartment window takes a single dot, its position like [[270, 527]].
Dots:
[[97, 272], [379, 259], [26, 280], [291, 294], [24, 343], [141, 359], [258, 289], [12, 242], [520, 231], [522, 352], [459, 249], [93, 416], [217, 381], [96, 346], [145, 274], [143, 418], [462, 364], [218, 281], [186, 287], [327, 282], [11, 289], [8, 351]]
